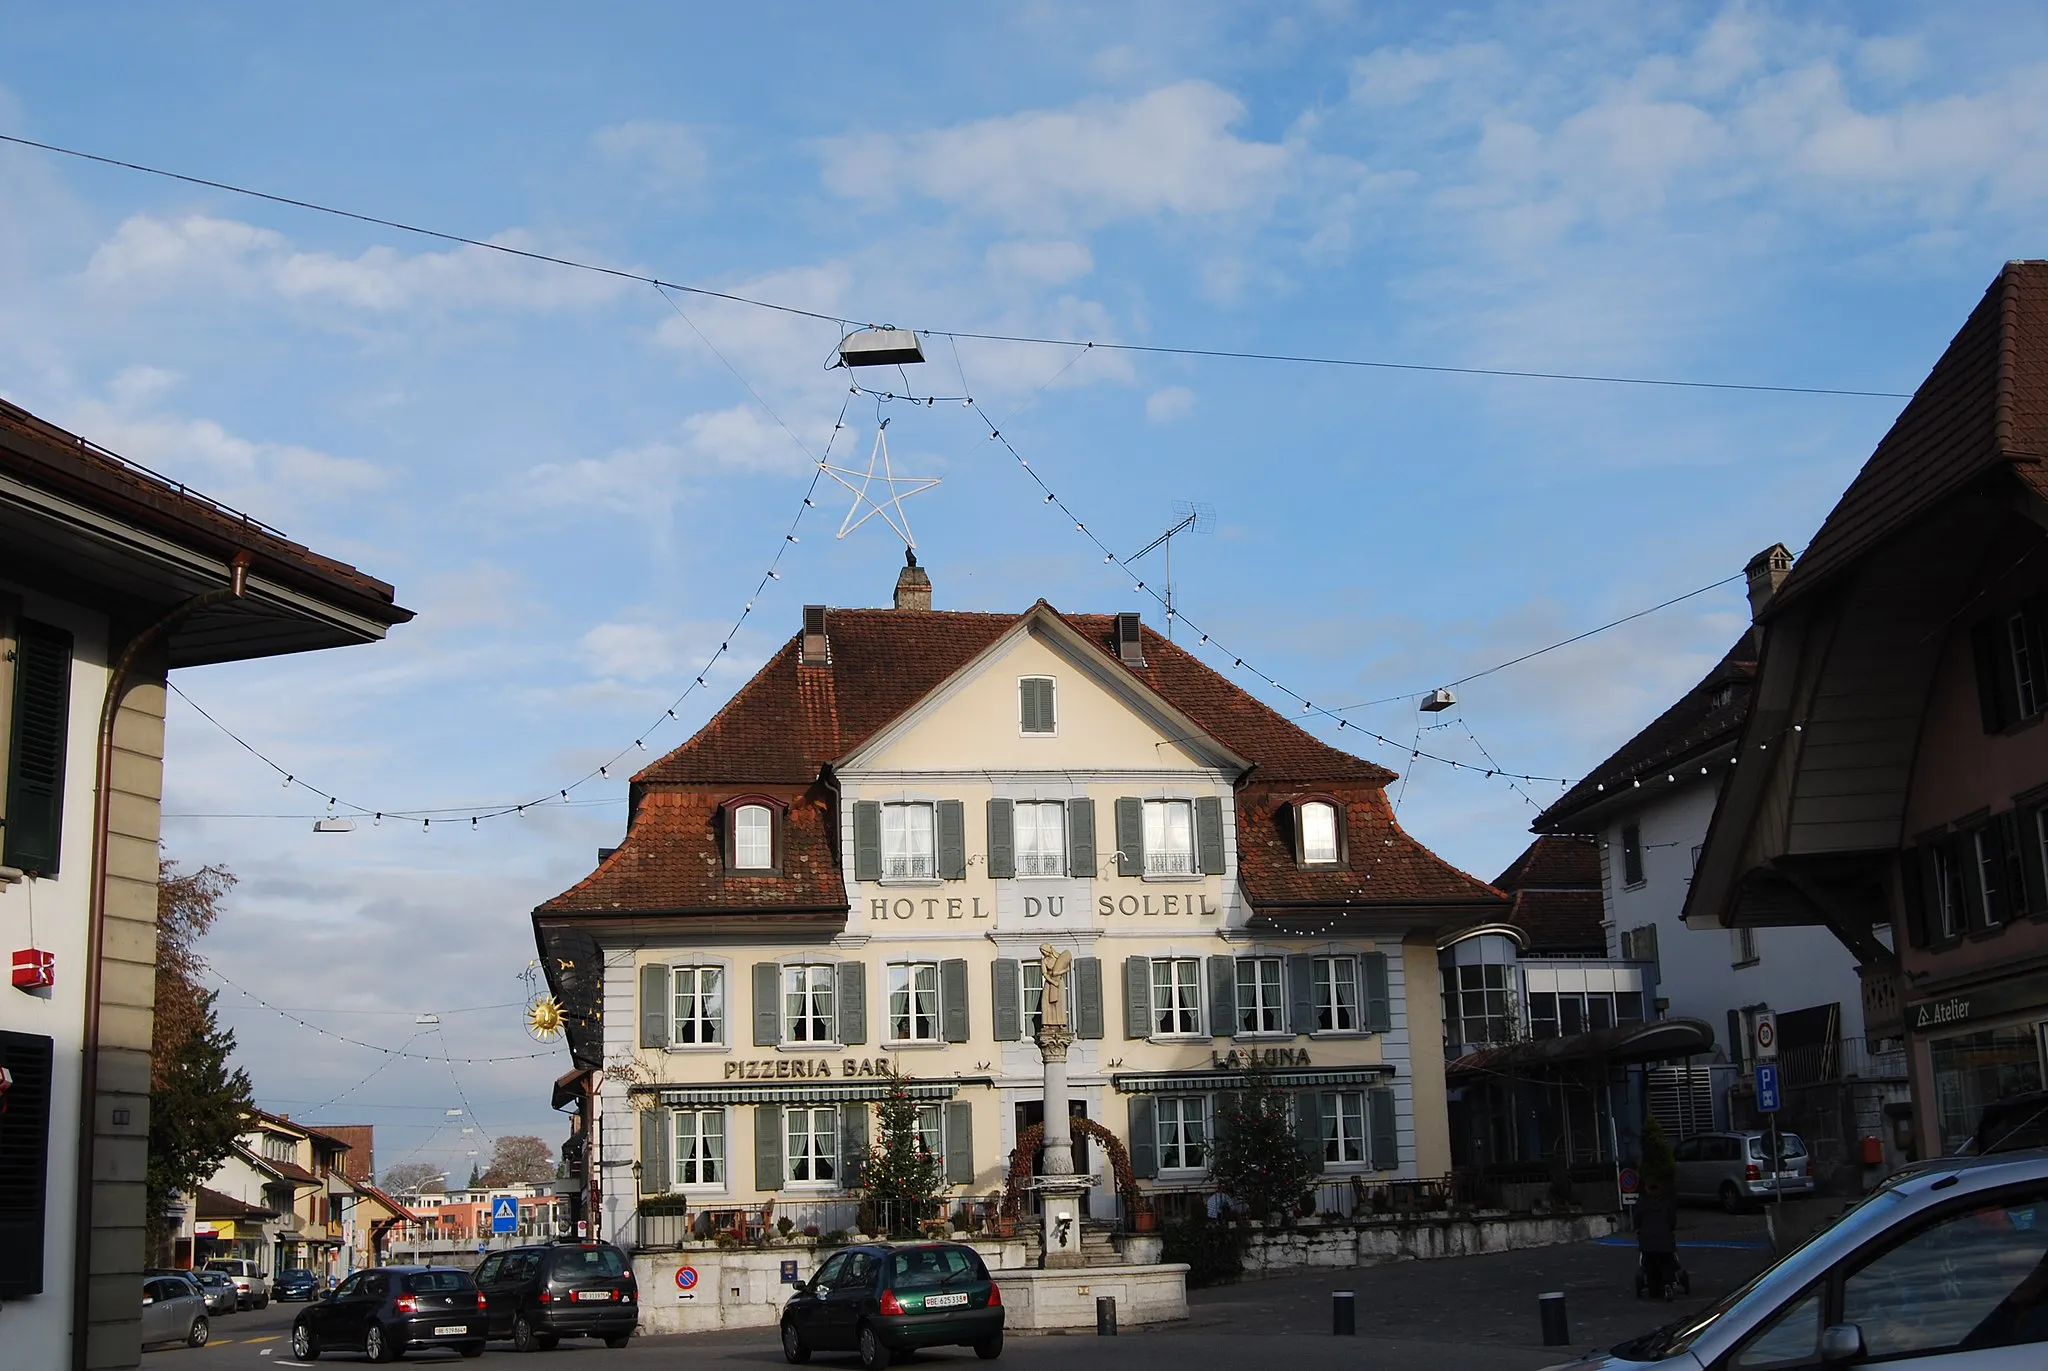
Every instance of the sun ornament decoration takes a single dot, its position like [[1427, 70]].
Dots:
[[544, 1018]]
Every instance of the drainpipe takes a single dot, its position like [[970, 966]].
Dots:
[[96, 922]]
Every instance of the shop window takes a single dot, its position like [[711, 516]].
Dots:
[[1971, 1070]]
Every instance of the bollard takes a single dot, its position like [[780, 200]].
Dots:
[[1556, 1332], [1343, 1313], [1105, 1316]]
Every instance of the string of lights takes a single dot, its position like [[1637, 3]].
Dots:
[[367, 1046], [619, 273]]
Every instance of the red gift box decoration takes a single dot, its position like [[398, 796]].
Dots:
[[34, 967]]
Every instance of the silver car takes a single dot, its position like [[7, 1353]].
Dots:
[[220, 1292], [1734, 1170], [173, 1310], [1945, 1265]]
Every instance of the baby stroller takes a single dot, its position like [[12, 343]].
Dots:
[[1681, 1280]]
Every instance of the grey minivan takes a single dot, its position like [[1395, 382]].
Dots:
[[1946, 1264], [1734, 1170]]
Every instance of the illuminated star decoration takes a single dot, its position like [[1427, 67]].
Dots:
[[891, 508]]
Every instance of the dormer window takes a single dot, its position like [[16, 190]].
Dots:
[[753, 839], [1318, 833]]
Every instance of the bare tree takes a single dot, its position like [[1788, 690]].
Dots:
[[520, 1157], [414, 1177]]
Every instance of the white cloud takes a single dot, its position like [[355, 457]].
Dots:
[[1051, 263], [667, 158], [1173, 402]]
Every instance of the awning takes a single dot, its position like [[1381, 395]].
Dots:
[[1195, 1082], [1621, 1045], [569, 1086], [683, 1096]]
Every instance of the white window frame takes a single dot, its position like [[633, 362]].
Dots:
[[1252, 997], [741, 838], [819, 1165], [1744, 949], [1177, 999], [694, 975], [904, 823], [931, 1131], [705, 1152], [1345, 1132], [1160, 859], [1323, 975], [1990, 873], [1172, 1117], [906, 980], [1037, 862], [1334, 854], [806, 986], [1031, 994], [1052, 732], [1948, 911]]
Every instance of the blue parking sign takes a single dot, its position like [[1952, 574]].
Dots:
[[505, 1212], [1767, 1087]]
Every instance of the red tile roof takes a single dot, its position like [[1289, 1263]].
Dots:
[[1553, 893]]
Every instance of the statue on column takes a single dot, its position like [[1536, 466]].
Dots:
[[1052, 1011]]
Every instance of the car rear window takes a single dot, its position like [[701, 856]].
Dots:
[[436, 1282], [1789, 1145], [927, 1268], [589, 1264]]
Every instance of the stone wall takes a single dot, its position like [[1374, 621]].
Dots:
[[1418, 1238], [743, 1287]]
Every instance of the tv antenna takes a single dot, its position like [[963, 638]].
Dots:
[[1190, 516]]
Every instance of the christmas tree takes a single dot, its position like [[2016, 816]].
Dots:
[[901, 1177], [1255, 1157]]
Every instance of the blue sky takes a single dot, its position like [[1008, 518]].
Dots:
[[561, 475]]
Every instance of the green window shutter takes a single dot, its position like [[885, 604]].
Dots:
[[953, 999], [960, 1143], [1222, 997], [655, 1172], [867, 840], [654, 1006], [1301, 995], [767, 1004], [952, 819], [1087, 997], [1308, 1128], [1137, 997], [1130, 836], [1379, 1007], [1209, 834], [1034, 704], [853, 1143], [34, 832], [1002, 840], [1081, 838], [1144, 1139], [1008, 1000], [850, 1001], [1386, 1144], [767, 1147]]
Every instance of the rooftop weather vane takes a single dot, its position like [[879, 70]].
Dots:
[[879, 347]]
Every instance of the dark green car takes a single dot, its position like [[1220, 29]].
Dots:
[[881, 1301]]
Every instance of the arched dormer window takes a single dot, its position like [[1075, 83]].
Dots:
[[753, 834], [1318, 832]]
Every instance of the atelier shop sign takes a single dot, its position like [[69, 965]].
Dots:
[[1940, 1012], [1194, 904], [806, 1068]]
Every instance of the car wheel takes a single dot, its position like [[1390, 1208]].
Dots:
[[988, 1349], [874, 1354], [472, 1349], [1731, 1198], [617, 1340], [263, 1302], [522, 1335], [197, 1335], [793, 1348], [304, 1347], [377, 1347]]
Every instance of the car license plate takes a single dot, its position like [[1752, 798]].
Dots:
[[592, 1295], [450, 1330], [944, 1301]]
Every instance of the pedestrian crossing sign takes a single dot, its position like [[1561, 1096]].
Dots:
[[504, 1214]]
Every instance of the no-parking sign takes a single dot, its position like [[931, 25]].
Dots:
[[686, 1278]]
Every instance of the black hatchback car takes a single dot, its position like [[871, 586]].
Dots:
[[387, 1311], [882, 1301], [539, 1295]]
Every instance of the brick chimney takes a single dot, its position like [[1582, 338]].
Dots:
[[1766, 572], [913, 586], [1130, 639], [817, 648]]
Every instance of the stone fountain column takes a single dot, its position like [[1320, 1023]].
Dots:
[[1059, 1189]]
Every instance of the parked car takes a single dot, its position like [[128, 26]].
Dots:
[[296, 1283], [885, 1301], [252, 1287], [538, 1295], [1735, 1170], [173, 1310], [386, 1311], [1945, 1264], [221, 1296]]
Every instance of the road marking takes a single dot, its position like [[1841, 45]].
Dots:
[[268, 1337]]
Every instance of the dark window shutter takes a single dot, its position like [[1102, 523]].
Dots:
[[1209, 834], [1034, 704], [1144, 1139], [34, 832], [767, 1004], [850, 1002], [1301, 995], [952, 840], [867, 840], [24, 1163], [1379, 1008], [1308, 1128], [1386, 1143], [1137, 997], [1008, 1000], [1087, 997], [1002, 840], [1913, 894], [1081, 838], [1130, 836], [953, 999], [1993, 671], [655, 1172], [853, 1143], [2012, 881], [2033, 875], [1223, 997], [767, 1147], [960, 1143], [1965, 848], [654, 1005]]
